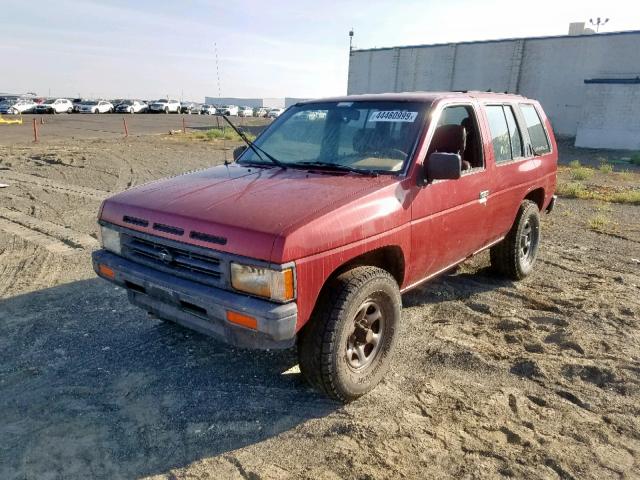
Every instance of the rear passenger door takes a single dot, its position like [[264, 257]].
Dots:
[[515, 166], [449, 217]]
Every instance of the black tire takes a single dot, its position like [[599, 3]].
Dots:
[[515, 256], [331, 345]]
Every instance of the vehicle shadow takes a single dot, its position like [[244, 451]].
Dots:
[[92, 387], [455, 285]]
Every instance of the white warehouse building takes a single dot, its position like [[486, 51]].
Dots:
[[588, 84], [281, 102]]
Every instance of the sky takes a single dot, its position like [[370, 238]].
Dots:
[[150, 49]]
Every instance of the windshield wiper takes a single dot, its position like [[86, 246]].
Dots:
[[255, 147], [336, 166]]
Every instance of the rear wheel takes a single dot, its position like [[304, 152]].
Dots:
[[515, 256], [346, 347]]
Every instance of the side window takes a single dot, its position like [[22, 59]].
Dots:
[[537, 133], [457, 132], [514, 133], [499, 133]]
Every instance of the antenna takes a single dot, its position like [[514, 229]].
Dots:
[[598, 23]]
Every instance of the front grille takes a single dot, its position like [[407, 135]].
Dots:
[[181, 261]]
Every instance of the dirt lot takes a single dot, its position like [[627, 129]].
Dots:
[[538, 379]]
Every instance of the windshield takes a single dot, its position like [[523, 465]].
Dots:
[[89, 103], [126, 102], [48, 102], [161, 101], [378, 136]]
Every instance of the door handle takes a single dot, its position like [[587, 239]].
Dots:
[[484, 194]]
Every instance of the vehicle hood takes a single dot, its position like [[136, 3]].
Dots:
[[248, 209]]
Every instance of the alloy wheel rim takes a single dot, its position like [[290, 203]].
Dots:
[[365, 337], [528, 242]]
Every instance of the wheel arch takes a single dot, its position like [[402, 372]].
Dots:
[[389, 258], [537, 196]]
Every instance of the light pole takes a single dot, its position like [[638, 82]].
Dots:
[[350, 41], [598, 23]]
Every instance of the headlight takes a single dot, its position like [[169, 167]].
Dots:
[[276, 285], [110, 239]]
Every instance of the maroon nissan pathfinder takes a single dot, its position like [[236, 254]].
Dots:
[[312, 234]]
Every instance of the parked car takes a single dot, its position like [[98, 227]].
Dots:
[[190, 108], [260, 112], [95, 106], [54, 105], [18, 106], [207, 110], [131, 106], [76, 103], [275, 112], [228, 110], [398, 188], [245, 112], [165, 106]]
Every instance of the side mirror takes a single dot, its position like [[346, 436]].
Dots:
[[443, 166], [238, 151]]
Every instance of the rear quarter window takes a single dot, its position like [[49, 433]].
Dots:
[[537, 133]]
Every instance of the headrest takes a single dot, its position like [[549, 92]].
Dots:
[[450, 139]]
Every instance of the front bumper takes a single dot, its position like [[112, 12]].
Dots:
[[201, 307]]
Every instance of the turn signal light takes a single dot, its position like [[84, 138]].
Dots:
[[243, 320], [106, 271]]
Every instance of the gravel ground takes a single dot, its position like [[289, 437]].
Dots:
[[537, 379]]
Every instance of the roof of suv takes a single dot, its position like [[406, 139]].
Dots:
[[417, 97]]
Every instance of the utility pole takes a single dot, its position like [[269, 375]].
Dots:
[[598, 23], [215, 48]]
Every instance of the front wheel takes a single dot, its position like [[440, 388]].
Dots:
[[346, 347], [515, 256]]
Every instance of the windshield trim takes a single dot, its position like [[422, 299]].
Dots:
[[409, 161]]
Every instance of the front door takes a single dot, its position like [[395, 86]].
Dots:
[[450, 217]]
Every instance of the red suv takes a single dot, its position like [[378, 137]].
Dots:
[[338, 207]]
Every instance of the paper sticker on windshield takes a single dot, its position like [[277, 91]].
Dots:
[[393, 116]]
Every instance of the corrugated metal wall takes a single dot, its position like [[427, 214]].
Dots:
[[551, 69]]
